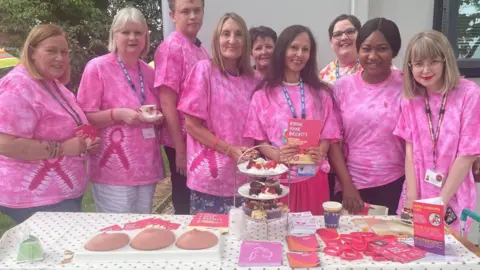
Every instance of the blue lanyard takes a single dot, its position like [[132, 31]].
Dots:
[[337, 69], [142, 88], [302, 99]]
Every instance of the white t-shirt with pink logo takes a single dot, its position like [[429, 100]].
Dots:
[[459, 136], [369, 114], [174, 59], [222, 101], [126, 157], [269, 114], [28, 110]]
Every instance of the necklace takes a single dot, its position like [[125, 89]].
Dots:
[[291, 84]]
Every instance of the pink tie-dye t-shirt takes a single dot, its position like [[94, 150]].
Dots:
[[126, 157], [28, 110], [459, 136], [222, 102], [369, 113], [174, 59], [269, 114]]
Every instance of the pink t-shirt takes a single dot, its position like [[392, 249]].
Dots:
[[269, 114], [369, 113], [174, 58], [28, 110], [222, 101], [125, 158], [459, 136]]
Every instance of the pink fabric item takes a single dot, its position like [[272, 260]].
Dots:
[[27, 110], [174, 58], [269, 114], [308, 195], [125, 157], [369, 113], [222, 101], [459, 136]]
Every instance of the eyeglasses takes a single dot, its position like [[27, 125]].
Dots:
[[429, 64], [349, 33]]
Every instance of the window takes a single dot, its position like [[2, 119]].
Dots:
[[459, 20]]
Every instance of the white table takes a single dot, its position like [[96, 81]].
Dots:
[[54, 228]]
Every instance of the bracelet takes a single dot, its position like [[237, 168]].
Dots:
[[215, 143], [111, 116], [53, 149]]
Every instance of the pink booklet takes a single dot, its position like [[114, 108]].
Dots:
[[260, 253]]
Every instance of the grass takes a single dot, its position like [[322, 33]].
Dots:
[[88, 204]]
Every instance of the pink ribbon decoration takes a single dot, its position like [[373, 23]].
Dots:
[[209, 155], [48, 167], [115, 147]]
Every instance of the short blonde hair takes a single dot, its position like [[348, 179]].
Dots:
[[244, 62], [124, 15], [429, 45], [35, 37]]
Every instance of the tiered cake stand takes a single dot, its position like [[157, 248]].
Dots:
[[243, 191]]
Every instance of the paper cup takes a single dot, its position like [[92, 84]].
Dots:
[[149, 110], [331, 214]]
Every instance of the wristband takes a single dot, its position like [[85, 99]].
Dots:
[[111, 116], [215, 143]]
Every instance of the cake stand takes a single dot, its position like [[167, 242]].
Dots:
[[255, 177]]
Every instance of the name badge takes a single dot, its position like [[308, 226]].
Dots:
[[148, 133], [434, 178], [306, 170]]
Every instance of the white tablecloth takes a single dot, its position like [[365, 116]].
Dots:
[[62, 231]]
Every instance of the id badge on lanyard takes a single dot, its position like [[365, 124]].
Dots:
[[432, 176]]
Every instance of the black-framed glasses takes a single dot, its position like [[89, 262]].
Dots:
[[349, 32]]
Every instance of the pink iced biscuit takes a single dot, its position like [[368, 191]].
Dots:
[[369, 113], [27, 110], [223, 105], [174, 58], [269, 114], [125, 157], [459, 136]]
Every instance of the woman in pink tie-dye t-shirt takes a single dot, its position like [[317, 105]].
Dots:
[[113, 87], [42, 163], [439, 107], [371, 166], [215, 102], [293, 73]]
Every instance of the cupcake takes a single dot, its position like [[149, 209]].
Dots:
[[271, 182], [259, 215], [273, 213], [250, 205], [255, 188]]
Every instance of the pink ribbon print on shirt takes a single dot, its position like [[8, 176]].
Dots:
[[116, 137], [48, 167], [207, 155]]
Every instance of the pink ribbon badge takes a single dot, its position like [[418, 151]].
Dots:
[[209, 155], [48, 167], [116, 139]]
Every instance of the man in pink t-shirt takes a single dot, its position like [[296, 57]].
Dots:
[[174, 58]]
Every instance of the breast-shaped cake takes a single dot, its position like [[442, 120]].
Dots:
[[107, 242], [153, 239], [197, 239]]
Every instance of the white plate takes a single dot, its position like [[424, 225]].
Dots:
[[152, 118], [243, 191], [129, 254], [281, 169]]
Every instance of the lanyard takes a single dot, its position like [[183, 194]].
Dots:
[[71, 111], [337, 69], [302, 99], [435, 133], [134, 89]]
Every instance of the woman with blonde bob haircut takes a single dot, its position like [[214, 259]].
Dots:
[[113, 89], [214, 126], [41, 156], [439, 120]]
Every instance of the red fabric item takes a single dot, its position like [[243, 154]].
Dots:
[[309, 195]]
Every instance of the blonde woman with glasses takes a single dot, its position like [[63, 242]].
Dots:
[[42, 162], [215, 101], [439, 122], [113, 88]]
